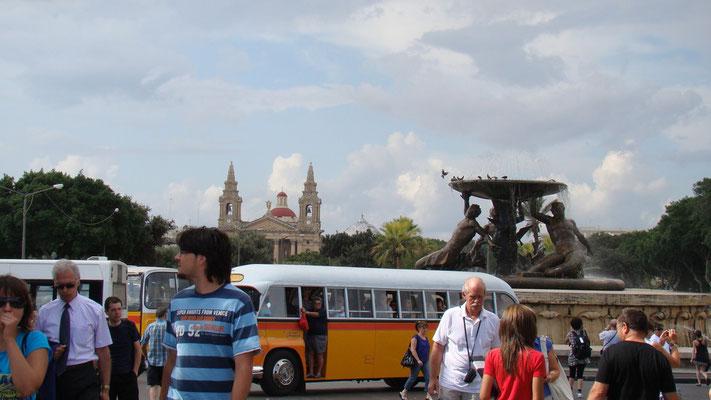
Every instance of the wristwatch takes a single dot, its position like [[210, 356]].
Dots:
[[105, 387]]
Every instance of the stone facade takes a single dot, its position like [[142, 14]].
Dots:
[[685, 312], [289, 233]]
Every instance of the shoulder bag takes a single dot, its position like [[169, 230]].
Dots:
[[560, 388], [408, 360]]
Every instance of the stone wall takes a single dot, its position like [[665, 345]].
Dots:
[[685, 312]]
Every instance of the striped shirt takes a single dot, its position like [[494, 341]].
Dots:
[[153, 337], [207, 331]]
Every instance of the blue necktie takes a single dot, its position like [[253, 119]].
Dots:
[[64, 327]]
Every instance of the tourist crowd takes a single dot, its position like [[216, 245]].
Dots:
[[203, 345]]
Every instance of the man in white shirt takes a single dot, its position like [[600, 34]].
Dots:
[[87, 337], [609, 336], [462, 340]]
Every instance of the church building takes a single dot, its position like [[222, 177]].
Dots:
[[289, 233]]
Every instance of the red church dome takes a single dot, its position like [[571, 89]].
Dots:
[[282, 212]]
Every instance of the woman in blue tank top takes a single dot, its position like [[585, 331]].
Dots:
[[420, 348]]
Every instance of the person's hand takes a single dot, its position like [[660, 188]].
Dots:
[[419, 362], [434, 387], [551, 376], [303, 310], [104, 395], [59, 351], [664, 337], [8, 325], [672, 335]]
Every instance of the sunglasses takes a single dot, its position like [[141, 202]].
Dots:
[[15, 302], [65, 286]]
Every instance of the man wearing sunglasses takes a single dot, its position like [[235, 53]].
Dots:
[[78, 326]]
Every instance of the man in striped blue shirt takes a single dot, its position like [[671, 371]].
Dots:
[[153, 338], [211, 328]]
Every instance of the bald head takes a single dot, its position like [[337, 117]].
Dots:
[[474, 293]]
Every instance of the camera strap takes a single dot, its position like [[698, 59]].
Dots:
[[466, 337]]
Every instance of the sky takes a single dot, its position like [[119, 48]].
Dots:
[[156, 98]]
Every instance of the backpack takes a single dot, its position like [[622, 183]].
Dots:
[[581, 347]]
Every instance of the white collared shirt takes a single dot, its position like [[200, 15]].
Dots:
[[450, 334], [89, 330]]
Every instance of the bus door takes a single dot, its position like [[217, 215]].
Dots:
[[355, 336]]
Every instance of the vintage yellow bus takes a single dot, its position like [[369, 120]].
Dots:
[[147, 289], [371, 311]]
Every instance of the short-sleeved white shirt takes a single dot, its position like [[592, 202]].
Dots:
[[89, 330], [450, 334]]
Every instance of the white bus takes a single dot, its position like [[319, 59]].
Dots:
[[371, 317], [100, 278]]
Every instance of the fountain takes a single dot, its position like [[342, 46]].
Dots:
[[554, 298]]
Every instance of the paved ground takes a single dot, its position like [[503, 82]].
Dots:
[[377, 390]]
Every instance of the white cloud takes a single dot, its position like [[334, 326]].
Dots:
[[91, 166], [288, 175]]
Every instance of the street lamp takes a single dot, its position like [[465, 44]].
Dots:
[[24, 207]]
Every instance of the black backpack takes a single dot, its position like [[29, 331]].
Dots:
[[581, 347]]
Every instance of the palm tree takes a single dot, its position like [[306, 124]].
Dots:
[[400, 239], [532, 222]]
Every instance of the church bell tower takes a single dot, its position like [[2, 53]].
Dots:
[[230, 204], [310, 204]]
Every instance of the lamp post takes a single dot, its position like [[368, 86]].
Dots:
[[24, 207]]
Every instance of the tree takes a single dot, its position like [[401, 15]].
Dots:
[[400, 239], [307, 258], [165, 256], [77, 221], [343, 249], [250, 247]]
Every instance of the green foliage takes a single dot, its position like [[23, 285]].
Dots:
[[307, 258], [676, 254], [165, 256], [250, 247], [343, 249], [72, 222], [400, 241]]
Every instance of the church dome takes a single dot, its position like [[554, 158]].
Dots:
[[282, 210], [361, 226]]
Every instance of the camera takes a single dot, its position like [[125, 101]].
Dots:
[[471, 374]]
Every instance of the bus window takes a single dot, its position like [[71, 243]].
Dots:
[[455, 299], [279, 302], [336, 299], [503, 301], [253, 296], [45, 294], [133, 292], [385, 304], [412, 304], [183, 283], [360, 303], [489, 302], [436, 304], [160, 288]]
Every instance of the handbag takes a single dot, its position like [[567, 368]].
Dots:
[[560, 388], [408, 360], [303, 322]]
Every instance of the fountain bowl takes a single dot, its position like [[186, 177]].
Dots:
[[506, 189]]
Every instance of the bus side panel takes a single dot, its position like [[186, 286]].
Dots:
[[280, 334], [392, 340], [135, 317], [351, 350]]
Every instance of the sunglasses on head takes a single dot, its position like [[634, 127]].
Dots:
[[15, 302], [65, 286]]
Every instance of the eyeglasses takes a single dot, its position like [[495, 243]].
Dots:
[[15, 302], [65, 286]]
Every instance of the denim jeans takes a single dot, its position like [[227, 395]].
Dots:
[[415, 371]]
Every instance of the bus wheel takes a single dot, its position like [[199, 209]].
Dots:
[[395, 383], [282, 373]]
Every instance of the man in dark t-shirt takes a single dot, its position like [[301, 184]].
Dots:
[[632, 369], [316, 338], [125, 352]]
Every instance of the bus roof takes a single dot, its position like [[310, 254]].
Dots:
[[134, 269], [261, 276], [42, 269]]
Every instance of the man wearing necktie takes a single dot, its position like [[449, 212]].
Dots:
[[77, 324]]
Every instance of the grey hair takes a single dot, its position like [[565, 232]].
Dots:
[[64, 266]]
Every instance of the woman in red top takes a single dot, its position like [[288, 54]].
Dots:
[[518, 369]]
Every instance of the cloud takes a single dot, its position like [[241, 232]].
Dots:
[[95, 167], [288, 175]]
